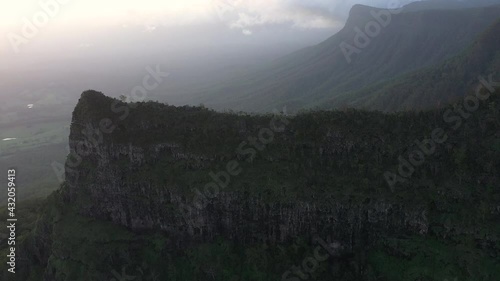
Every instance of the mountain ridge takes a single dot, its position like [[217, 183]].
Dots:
[[441, 84], [310, 76], [143, 183]]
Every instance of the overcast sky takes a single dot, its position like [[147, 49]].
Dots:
[[248, 13], [65, 40], [247, 17]]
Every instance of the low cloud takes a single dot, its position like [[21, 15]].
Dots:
[[247, 15]]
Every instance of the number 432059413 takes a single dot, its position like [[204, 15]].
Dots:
[[11, 192]]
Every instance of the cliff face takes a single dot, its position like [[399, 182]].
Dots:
[[182, 193], [198, 174]]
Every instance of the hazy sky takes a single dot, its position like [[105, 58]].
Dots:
[[300, 13], [48, 30], [93, 42], [58, 17]]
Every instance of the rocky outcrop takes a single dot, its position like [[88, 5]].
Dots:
[[132, 175], [160, 179]]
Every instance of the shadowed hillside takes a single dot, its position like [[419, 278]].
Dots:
[[140, 188], [434, 86], [312, 76]]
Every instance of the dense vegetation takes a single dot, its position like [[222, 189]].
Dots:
[[102, 251], [458, 185], [347, 159]]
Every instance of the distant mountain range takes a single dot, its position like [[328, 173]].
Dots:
[[433, 86], [376, 46]]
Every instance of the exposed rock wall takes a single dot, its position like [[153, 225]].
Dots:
[[113, 180]]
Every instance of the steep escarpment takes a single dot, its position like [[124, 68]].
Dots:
[[152, 172], [203, 174], [197, 194]]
